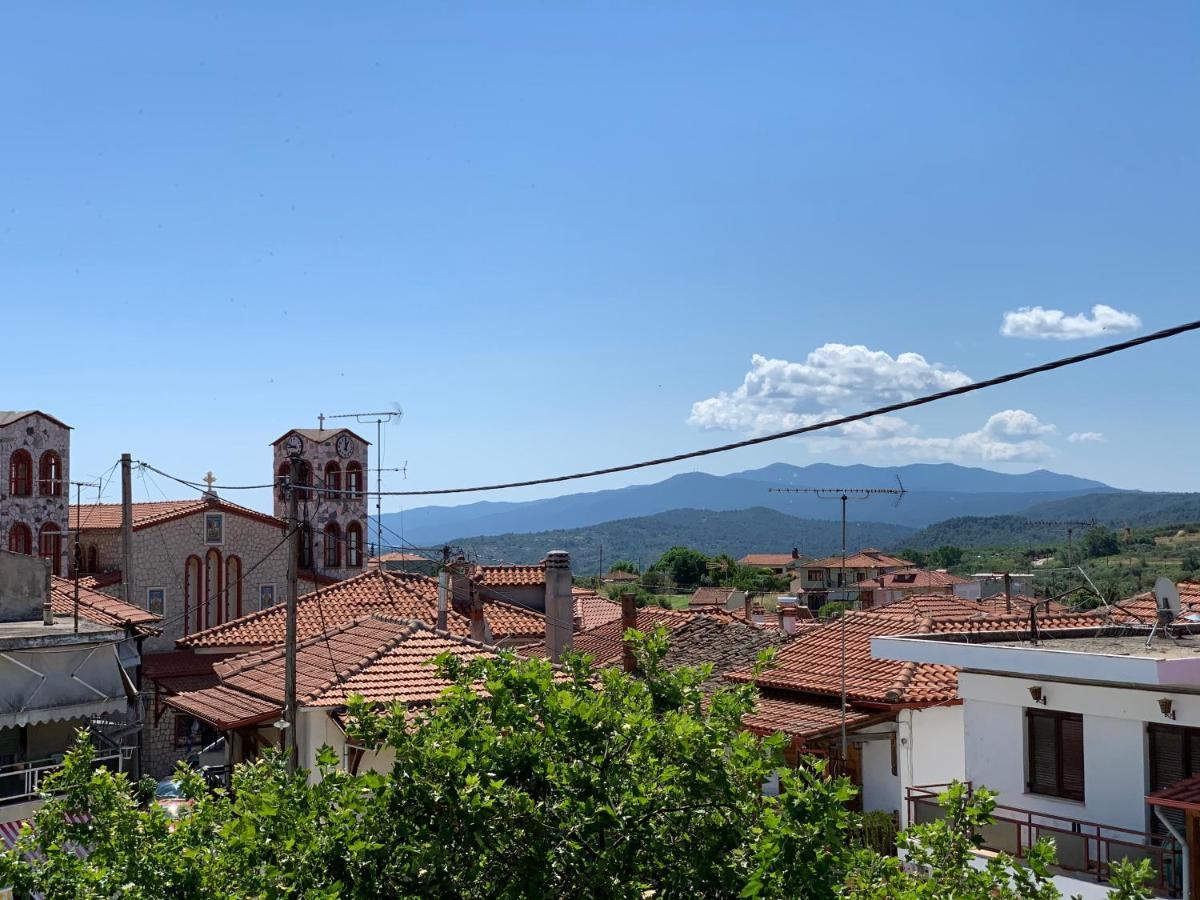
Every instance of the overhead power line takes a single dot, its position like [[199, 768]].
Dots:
[[1062, 363]]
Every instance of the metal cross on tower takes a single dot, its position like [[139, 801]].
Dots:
[[844, 494]]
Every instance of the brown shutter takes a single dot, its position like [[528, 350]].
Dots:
[[1043, 756], [1071, 755]]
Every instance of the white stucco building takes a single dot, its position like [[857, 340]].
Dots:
[[1090, 737]]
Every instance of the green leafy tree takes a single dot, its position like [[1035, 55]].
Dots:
[[917, 557], [624, 565], [1099, 541], [947, 556], [683, 565]]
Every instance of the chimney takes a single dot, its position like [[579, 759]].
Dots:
[[788, 614], [560, 609], [746, 604], [629, 619], [476, 613]]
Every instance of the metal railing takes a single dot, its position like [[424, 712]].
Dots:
[[1081, 846], [22, 781]]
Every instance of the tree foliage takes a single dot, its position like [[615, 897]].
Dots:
[[578, 783], [683, 565]]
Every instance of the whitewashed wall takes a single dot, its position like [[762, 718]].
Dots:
[[931, 748]]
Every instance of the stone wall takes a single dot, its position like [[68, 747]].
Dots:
[[36, 434], [164, 552], [159, 753]]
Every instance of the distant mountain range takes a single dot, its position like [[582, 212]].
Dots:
[[936, 492], [644, 539]]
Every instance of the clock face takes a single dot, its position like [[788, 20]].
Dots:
[[344, 446], [294, 444]]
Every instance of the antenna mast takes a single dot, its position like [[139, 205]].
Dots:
[[380, 419], [844, 494]]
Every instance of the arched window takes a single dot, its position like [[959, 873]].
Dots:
[[306, 547], [50, 546], [20, 539], [333, 479], [304, 480], [354, 540], [233, 586], [214, 597], [191, 594], [77, 559], [50, 475], [20, 474], [285, 470], [333, 546], [354, 480], [93, 559]]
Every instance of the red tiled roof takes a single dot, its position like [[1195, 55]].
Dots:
[[710, 596], [997, 605], [97, 607], [605, 643], [1183, 794], [176, 671], [1143, 608], [100, 580], [621, 576], [107, 516], [318, 435], [909, 577], [768, 560], [934, 606], [592, 610], [807, 718], [400, 594], [509, 576], [10, 417], [812, 663], [381, 658], [867, 558]]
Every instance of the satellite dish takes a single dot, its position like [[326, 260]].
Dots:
[[1167, 598]]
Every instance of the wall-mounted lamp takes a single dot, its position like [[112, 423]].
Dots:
[[1035, 691], [1166, 706]]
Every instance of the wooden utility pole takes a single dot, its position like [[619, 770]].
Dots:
[[127, 528], [443, 588], [293, 586]]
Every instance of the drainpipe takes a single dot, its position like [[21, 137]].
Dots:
[[1183, 846]]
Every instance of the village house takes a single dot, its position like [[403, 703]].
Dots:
[[882, 589], [781, 564], [65, 664], [36, 450], [384, 659], [816, 579], [1090, 734], [482, 613], [889, 705], [196, 563]]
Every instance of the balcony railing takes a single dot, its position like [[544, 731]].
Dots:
[[22, 781], [1081, 846]]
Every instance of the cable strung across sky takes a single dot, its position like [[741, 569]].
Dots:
[[1107, 350]]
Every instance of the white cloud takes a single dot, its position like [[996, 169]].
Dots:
[[1086, 437], [1038, 322], [1015, 423], [777, 394]]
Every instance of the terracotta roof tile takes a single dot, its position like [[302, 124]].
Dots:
[[605, 642], [798, 716], [867, 558], [400, 594], [812, 664], [592, 609], [768, 560], [1143, 608], [1183, 794], [381, 658], [710, 596], [97, 607], [107, 516], [509, 576], [909, 577], [935, 606]]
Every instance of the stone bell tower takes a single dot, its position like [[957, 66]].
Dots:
[[329, 467]]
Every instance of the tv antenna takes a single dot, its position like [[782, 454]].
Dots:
[[844, 494], [380, 419], [1166, 600]]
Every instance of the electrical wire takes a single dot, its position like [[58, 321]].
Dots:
[[1006, 378]]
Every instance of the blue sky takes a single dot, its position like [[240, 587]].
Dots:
[[547, 231]]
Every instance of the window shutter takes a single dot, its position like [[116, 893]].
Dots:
[[1071, 747], [1167, 756], [1043, 757]]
